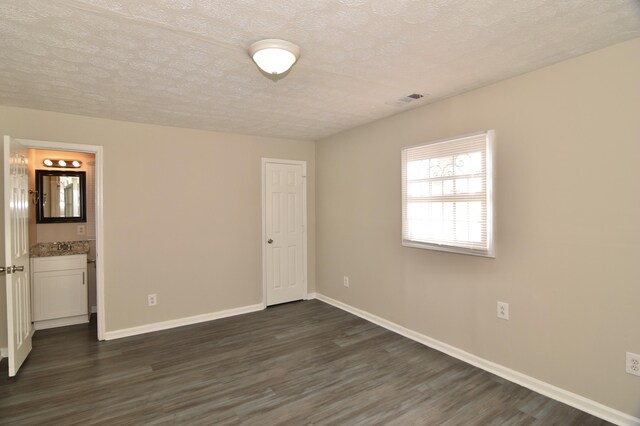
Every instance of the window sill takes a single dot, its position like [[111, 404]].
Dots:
[[449, 249]]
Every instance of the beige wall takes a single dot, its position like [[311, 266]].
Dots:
[[182, 212], [568, 226]]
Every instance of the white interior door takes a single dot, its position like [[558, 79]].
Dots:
[[16, 235], [284, 232]]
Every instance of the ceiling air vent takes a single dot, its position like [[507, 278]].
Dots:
[[405, 100]]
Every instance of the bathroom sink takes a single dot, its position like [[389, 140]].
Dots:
[[59, 248]]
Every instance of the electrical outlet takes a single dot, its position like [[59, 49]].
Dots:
[[503, 310], [152, 299], [81, 230], [345, 281], [633, 364]]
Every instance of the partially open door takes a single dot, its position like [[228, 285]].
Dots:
[[16, 243]]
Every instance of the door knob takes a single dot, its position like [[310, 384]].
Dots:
[[12, 269], [269, 241]]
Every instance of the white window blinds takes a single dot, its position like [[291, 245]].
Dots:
[[447, 195]]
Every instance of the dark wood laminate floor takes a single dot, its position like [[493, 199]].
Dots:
[[296, 364]]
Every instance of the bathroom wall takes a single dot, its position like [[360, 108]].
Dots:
[[51, 232]]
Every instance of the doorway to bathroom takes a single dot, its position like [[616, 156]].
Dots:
[[86, 235], [62, 237]]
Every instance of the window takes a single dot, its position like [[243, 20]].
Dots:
[[447, 190]]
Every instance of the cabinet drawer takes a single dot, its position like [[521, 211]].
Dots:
[[58, 263]]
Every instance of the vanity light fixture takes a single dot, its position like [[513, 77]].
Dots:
[[67, 164], [274, 56]]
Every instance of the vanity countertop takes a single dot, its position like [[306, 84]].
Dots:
[[64, 248]]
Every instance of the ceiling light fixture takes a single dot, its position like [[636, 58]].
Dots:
[[274, 56]]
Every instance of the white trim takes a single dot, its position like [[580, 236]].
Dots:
[[4, 353], [97, 150], [180, 322], [554, 392], [304, 221], [94, 309], [491, 191], [60, 322]]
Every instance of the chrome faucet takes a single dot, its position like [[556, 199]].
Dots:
[[64, 246]]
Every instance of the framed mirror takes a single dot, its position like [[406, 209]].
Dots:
[[60, 196]]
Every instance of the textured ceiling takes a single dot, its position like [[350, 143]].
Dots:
[[184, 62]]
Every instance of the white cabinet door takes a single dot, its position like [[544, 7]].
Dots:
[[59, 294]]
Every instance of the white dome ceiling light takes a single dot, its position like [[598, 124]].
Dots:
[[274, 56]]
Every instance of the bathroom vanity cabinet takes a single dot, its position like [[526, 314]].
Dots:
[[59, 290]]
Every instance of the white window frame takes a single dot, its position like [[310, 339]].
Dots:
[[489, 249]]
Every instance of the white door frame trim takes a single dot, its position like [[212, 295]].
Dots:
[[97, 150], [264, 225]]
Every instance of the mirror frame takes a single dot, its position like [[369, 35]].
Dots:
[[40, 174]]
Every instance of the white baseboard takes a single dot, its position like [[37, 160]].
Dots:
[[4, 353], [581, 403], [60, 322], [94, 309], [164, 325]]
